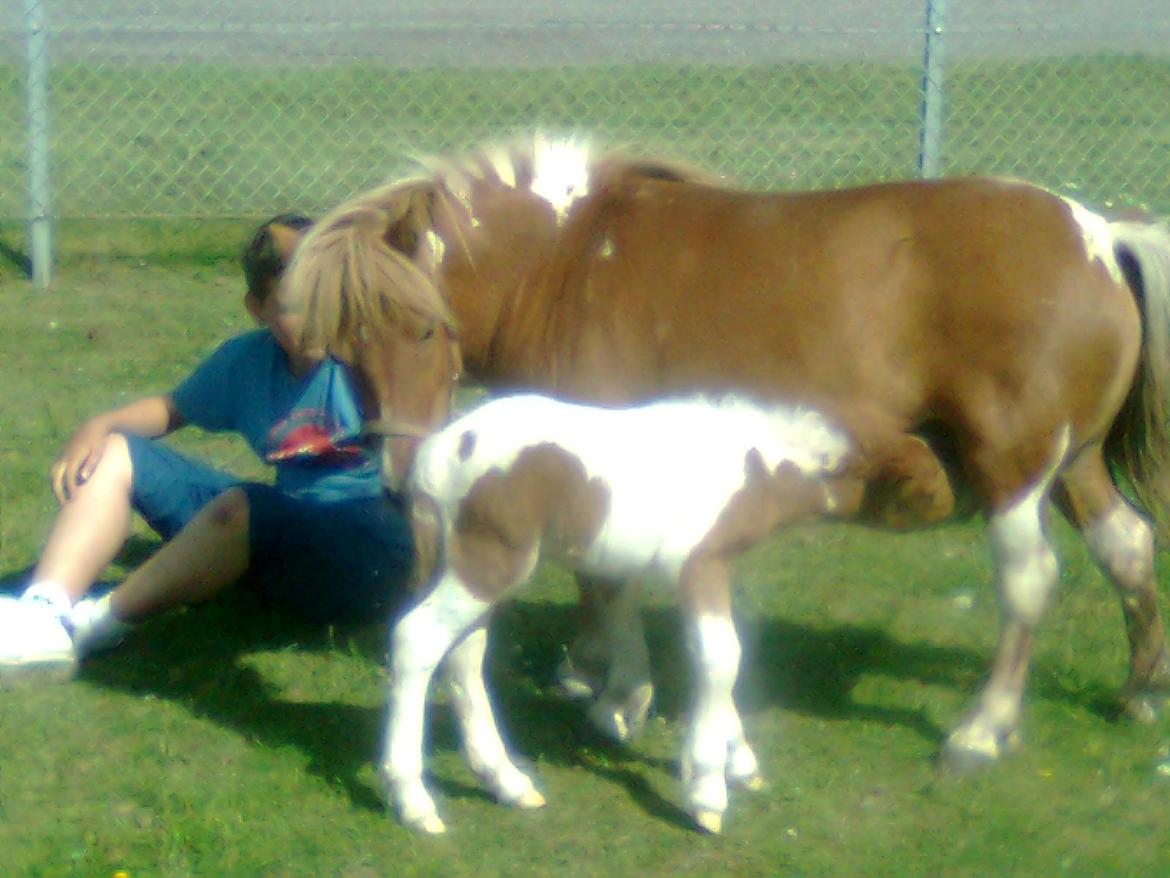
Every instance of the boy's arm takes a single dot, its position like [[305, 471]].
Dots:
[[151, 417]]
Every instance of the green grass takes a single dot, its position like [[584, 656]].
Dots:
[[211, 141], [222, 741]]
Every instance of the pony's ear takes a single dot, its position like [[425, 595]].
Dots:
[[404, 231], [284, 241]]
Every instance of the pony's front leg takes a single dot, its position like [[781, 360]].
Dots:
[[624, 703], [419, 641], [1027, 573], [715, 749], [483, 747], [607, 660]]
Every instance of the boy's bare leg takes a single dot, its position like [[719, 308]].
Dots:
[[91, 527], [208, 555]]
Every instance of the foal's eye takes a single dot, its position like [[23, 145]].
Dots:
[[427, 334]]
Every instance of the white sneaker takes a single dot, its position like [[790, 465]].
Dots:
[[34, 643], [93, 626]]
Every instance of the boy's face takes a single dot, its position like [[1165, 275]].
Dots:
[[284, 323]]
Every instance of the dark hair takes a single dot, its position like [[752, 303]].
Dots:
[[262, 263]]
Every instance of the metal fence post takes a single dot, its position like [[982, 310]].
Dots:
[[933, 64], [40, 222]]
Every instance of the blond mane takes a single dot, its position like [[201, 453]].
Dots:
[[349, 283], [359, 269]]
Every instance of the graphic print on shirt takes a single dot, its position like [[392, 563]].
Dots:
[[310, 435]]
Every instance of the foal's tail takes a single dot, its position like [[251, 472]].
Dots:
[[1139, 442]]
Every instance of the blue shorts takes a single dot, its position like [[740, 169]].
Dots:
[[331, 562]]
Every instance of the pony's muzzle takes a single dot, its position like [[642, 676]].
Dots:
[[398, 453]]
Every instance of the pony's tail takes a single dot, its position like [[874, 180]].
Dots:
[[1139, 441]]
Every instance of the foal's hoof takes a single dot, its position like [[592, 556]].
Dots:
[[754, 783], [431, 824], [965, 754], [530, 800], [1145, 707], [709, 821], [959, 760]]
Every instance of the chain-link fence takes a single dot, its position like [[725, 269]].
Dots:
[[225, 108]]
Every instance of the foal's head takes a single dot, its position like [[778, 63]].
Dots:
[[369, 306]]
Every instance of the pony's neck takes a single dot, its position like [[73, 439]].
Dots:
[[501, 329], [496, 280]]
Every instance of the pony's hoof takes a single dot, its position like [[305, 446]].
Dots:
[[431, 824], [530, 801], [577, 684], [967, 757], [1145, 708], [636, 709], [623, 720], [754, 783], [574, 685], [709, 821], [609, 722]]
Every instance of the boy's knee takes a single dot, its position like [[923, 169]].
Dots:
[[230, 510], [116, 462]]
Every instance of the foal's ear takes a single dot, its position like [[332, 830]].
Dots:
[[754, 468], [284, 241]]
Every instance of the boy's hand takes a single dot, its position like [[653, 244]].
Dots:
[[78, 460]]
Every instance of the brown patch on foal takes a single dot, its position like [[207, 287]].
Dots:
[[426, 526], [544, 496], [766, 501]]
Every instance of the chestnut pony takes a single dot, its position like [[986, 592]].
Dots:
[[390, 325], [1027, 336]]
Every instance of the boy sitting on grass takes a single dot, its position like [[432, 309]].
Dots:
[[324, 540]]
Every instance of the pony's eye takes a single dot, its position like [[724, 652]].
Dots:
[[427, 334]]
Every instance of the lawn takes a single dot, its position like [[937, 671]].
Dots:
[[222, 741]]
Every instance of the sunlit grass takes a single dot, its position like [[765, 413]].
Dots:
[[227, 741]]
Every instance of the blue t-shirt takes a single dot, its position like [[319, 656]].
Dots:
[[309, 428]]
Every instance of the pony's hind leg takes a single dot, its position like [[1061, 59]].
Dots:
[[482, 745], [1027, 572], [419, 641], [1122, 543]]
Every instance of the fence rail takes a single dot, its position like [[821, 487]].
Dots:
[[233, 108]]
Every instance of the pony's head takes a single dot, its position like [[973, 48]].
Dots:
[[367, 304]]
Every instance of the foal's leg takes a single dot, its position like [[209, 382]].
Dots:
[[485, 751], [1122, 542], [1027, 573], [419, 641], [715, 749]]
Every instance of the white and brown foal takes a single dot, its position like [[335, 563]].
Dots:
[[676, 488]]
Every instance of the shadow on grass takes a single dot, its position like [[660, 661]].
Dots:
[[17, 258], [193, 657]]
